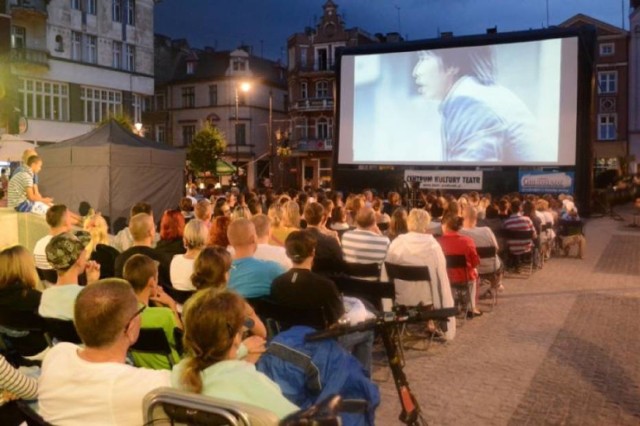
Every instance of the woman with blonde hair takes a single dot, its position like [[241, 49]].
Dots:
[[18, 294], [214, 323], [287, 222], [194, 240], [100, 245]]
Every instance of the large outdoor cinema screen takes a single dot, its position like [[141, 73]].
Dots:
[[507, 104]]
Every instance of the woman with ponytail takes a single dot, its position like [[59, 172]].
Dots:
[[214, 322]]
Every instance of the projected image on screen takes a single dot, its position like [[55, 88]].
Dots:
[[506, 104]]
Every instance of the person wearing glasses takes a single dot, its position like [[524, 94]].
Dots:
[[92, 384], [214, 324]]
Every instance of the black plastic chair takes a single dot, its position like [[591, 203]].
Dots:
[[277, 317], [48, 275], [153, 341], [26, 336], [524, 259], [180, 296], [363, 270], [61, 330], [371, 291]]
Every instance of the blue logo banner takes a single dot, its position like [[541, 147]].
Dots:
[[546, 182]]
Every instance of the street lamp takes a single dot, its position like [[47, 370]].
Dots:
[[244, 86]]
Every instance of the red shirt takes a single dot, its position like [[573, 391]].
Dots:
[[454, 243]]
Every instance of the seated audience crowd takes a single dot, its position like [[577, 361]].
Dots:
[[202, 278]]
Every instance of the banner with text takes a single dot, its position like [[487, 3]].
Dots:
[[445, 179], [546, 182]]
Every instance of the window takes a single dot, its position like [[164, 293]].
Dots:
[[136, 106], [131, 12], [239, 65], [98, 104], [76, 46], [117, 54], [160, 102], [241, 134], [303, 57], [322, 63], [187, 134], [607, 82], [91, 7], [304, 90], [607, 127], [213, 95], [607, 49], [75, 4], [188, 97], [90, 49], [43, 99], [18, 37], [161, 134], [116, 11], [130, 58], [191, 67], [322, 128], [322, 89], [59, 44], [302, 129]]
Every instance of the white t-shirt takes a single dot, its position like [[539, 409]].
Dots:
[[180, 271], [40, 254], [268, 252], [58, 301], [72, 391]]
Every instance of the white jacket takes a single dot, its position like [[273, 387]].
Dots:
[[417, 249]]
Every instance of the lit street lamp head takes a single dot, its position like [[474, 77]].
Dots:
[[245, 87]]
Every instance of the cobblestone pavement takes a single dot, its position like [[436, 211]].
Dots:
[[560, 347]]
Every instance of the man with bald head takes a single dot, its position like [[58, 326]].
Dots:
[[250, 277], [143, 232], [92, 384]]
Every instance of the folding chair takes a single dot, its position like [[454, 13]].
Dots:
[[153, 341], [411, 275], [363, 270], [461, 289], [278, 317], [518, 260], [171, 406], [60, 330], [493, 278], [48, 275], [370, 291], [569, 229]]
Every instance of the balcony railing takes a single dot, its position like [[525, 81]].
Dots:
[[313, 145], [31, 56], [313, 104]]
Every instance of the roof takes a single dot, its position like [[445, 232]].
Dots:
[[110, 132], [603, 27]]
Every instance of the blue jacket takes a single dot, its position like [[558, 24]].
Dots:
[[310, 372]]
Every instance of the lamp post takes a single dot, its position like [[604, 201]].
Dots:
[[244, 86]]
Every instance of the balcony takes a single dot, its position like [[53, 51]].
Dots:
[[306, 145], [315, 68], [28, 8], [313, 104], [30, 58]]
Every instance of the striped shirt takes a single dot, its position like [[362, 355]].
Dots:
[[15, 382], [517, 222], [18, 188], [40, 254], [360, 246]]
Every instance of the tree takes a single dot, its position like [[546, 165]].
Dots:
[[205, 149], [122, 119]]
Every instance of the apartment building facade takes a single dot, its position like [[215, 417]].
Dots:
[[199, 86], [73, 63]]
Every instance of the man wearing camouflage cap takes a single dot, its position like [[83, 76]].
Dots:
[[67, 255]]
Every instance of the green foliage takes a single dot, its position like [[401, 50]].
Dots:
[[122, 119], [205, 149]]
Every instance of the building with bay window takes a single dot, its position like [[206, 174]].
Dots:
[[73, 63]]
